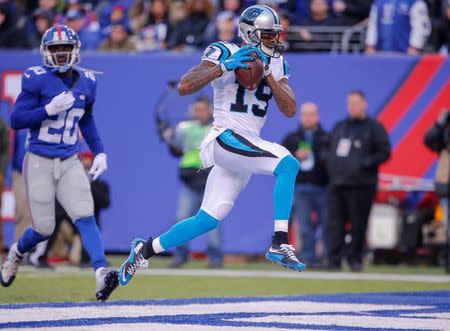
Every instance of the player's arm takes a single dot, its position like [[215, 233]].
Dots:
[[283, 95], [198, 77], [90, 132], [281, 90], [27, 113], [216, 60]]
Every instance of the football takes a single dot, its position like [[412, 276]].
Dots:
[[251, 77]]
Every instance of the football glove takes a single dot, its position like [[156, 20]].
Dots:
[[237, 60], [263, 57], [61, 102], [98, 166]]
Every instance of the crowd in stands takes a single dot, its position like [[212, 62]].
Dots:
[[407, 26]]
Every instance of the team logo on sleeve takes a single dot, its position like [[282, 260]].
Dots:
[[211, 50]]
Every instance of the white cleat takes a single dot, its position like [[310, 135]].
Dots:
[[10, 266]]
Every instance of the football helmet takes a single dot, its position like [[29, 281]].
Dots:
[[260, 26], [55, 54]]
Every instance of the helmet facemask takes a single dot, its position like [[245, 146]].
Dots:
[[61, 55], [268, 41]]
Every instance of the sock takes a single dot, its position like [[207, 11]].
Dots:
[[148, 251], [186, 230], [92, 241], [283, 194], [280, 237], [29, 239]]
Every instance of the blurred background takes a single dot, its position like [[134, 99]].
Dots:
[[394, 54]]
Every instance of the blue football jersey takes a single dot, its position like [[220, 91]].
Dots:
[[55, 136]]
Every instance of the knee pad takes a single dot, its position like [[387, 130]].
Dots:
[[220, 210], [44, 226], [288, 165], [81, 209]]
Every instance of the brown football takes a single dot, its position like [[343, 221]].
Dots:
[[251, 77]]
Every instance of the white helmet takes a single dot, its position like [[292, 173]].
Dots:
[[261, 19]]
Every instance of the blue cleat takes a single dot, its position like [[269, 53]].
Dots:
[[135, 261], [284, 255]]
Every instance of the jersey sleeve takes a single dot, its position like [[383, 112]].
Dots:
[[27, 111], [216, 53], [285, 71], [92, 84]]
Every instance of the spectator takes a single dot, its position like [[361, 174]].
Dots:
[[398, 26], [157, 29], [36, 25], [184, 141], [235, 6], [225, 28], [438, 139], [10, 35], [319, 15], [139, 14], [440, 22], [177, 13], [4, 157], [190, 33], [118, 40], [351, 12], [309, 144], [115, 11], [88, 32], [358, 145], [85, 8]]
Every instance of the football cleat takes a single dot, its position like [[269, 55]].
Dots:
[[284, 255], [106, 283], [134, 262], [10, 266]]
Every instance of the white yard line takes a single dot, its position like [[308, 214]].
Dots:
[[260, 274]]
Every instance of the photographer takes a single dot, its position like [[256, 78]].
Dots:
[[184, 141], [438, 139]]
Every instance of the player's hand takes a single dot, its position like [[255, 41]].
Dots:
[[98, 166], [61, 102], [263, 57], [237, 60]]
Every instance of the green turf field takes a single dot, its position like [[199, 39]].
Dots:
[[59, 286]]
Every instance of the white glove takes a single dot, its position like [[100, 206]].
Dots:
[[98, 166], [60, 103], [267, 70]]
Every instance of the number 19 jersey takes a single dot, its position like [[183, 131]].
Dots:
[[235, 107]]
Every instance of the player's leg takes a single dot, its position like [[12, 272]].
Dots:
[[40, 191], [187, 207], [74, 194], [222, 188], [255, 155]]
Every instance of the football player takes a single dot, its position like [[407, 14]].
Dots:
[[233, 145], [57, 99]]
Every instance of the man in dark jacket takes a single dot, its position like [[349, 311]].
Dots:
[[308, 144], [437, 139], [358, 145]]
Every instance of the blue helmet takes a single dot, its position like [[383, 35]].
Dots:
[[56, 57]]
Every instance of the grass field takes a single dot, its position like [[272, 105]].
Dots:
[[45, 286]]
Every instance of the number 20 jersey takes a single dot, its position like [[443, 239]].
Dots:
[[56, 136], [235, 107]]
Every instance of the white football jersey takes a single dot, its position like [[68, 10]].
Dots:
[[235, 107]]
